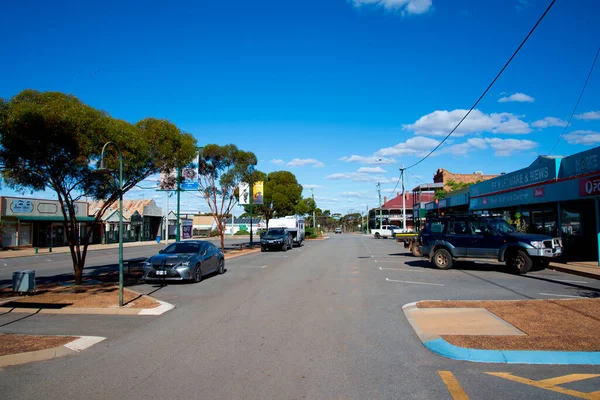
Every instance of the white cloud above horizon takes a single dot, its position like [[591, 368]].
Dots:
[[441, 122], [516, 97], [403, 6], [311, 186], [372, 170], [418, 145], [506, 147], [301, 162], [586, 138], [372, 160], [358, 177], [590, 115], [549, 121], [277, 161], [360, 195]]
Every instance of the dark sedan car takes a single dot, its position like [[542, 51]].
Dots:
[[276, 238], [188, 260]]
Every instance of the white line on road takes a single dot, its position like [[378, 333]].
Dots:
[[561, 295], [401, 269], [567, 280], [416, 283]]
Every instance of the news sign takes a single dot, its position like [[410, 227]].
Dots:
[[589, 186]]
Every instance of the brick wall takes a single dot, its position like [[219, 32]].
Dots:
[[443, 176]]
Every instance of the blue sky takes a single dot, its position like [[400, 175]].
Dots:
[[324, 88]]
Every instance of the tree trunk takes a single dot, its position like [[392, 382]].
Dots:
[[78, 273]]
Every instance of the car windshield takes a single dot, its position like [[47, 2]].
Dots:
[[394, 227], [501, 225], [178, 248], [275, 232]]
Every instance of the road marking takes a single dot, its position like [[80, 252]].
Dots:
[[251, 266], [566, 280], [551, 384], [400, 269], [264, 266], [416, 283], [561, 295], [456, 391]]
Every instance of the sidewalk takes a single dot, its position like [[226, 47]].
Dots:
[[587, 269]]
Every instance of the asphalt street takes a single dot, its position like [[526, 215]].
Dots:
[[323, 321]]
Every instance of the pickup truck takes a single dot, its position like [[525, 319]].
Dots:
[[446, 239], [386, 231]]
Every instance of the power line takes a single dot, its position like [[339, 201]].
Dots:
[[397, 182], [489, 86], [576, 104]]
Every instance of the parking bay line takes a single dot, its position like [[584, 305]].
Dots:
[[566, 280], [416, 283], [561, 295]]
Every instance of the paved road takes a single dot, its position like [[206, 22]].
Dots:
[[319, 322]]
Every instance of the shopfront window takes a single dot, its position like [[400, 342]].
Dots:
[[571, 222]]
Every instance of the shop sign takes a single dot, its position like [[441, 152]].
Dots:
[[429, 206], [459, 200], [21, 206], [589, 186], [442, 203], [541, 170], [580, 163], [539, 192]]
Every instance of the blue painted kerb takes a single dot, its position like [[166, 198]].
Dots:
[[445, 349]]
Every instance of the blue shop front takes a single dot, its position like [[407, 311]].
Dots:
[[553, 196]]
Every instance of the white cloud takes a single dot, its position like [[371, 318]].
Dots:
[[404, 6], [277, 161], [589, 115], [326, 200], [441, 122], [517, 97], [462, 149], [583, 137], [549, 121], [414, 146], [359, 195], [505, 147], [311, 186], [358, 177], [301, 162], [368, 160], [372, 170]]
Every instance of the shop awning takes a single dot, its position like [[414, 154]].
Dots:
[[52, 218]]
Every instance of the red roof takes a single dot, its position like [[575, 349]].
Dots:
[[396, 202]]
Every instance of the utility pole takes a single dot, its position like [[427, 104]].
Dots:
[[403, 201], [167, 220], [251, 188], [178, 222], [315, 204], [380, 213]]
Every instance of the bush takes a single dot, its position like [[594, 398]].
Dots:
[[309, 232], [241, 232], [313, 236], [214, 233]]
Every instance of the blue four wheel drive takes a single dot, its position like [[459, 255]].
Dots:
[[447, 239]]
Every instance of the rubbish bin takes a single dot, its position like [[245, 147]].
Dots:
[[23, 281], [158, 239]]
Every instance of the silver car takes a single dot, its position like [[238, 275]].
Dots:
[[189, 260]]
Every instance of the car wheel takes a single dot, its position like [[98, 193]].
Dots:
[[519, 262], [377, 235], [539, 265], [284, 247], [442, 259], [197, 273], [415, 251], [221, 269]]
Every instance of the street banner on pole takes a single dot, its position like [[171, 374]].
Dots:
[[244, 195], [189, 176], [257, 191]]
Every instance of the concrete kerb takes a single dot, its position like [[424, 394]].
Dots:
[[161, 309], [77, 345], [439, 346]]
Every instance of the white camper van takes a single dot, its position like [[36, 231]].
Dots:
[[294, 224]]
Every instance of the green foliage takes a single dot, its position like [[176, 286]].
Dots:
[[305, 206], [51, 140], [241, 232], [214, 233], [281, 197], [309, 231], [454, 186], [313, 236], [220, 170]]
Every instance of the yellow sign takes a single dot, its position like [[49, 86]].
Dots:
[[258, 192]]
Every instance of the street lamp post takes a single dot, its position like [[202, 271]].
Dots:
[[120, 214]]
